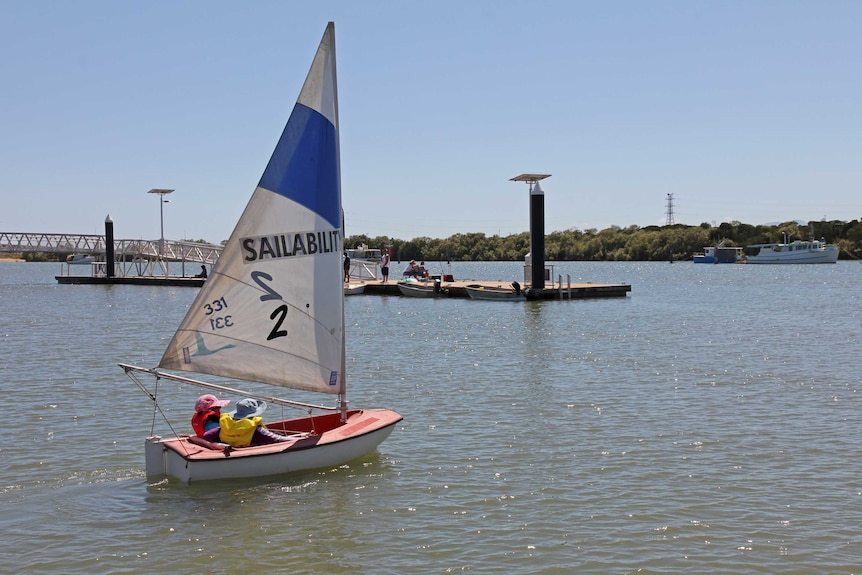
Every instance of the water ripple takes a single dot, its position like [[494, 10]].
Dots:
[[707, 423]]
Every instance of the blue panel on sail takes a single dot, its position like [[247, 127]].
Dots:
[[304, 165]]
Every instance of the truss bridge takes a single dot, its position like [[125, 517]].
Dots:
[[142, 257]]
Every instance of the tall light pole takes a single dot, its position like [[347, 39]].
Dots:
[[537, 228], [162, 201]]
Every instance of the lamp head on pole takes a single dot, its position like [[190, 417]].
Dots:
[[533, 180]]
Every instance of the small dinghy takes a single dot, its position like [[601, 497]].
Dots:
[[272, 310]]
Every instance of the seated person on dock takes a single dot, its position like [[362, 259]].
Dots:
[[412, 270], [244, 426], [203, 273], [207, 413], [422, 271]]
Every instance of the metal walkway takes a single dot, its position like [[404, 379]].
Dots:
[[132, 258], [173, 251]]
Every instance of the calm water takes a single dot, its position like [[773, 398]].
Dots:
[[707, 423]]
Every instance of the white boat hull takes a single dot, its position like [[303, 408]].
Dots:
[[80, 259], [180, 459], [494, 294], [420, 290], [794, 253], [354, 289]]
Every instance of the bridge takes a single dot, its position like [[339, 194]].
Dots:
[[144, 254]]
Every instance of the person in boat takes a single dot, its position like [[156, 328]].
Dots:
[[346, 268], [384, 265], [244, 426], [412, 270], [207, 413], [203, 273], [422, 271]]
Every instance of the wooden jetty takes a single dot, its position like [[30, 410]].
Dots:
[[549, 292], [133, 280], [376, 287], [457, 289]]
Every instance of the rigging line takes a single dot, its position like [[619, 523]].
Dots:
[[156, 407], [149, 394], [157, 374]]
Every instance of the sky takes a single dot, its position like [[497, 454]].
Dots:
[[743, 111]]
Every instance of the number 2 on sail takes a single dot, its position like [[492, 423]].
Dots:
[[260, 278]]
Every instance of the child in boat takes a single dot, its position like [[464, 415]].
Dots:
[[207, 413], [244, 426]]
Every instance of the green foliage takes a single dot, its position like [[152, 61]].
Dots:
[[651, 243], [42, 257]]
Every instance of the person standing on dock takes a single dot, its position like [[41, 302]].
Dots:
[[384, 265], [346, 268]]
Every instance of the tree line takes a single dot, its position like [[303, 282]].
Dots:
[[633, 243]]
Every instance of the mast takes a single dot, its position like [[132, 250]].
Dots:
[[342, 397]]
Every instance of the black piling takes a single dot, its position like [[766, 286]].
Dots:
[[109, 247], [537, 236]]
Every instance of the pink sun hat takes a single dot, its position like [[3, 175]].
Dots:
[[206, 402]]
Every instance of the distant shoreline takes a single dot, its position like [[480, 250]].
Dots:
[[8, 259]]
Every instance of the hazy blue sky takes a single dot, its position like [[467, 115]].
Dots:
[[744, 111]]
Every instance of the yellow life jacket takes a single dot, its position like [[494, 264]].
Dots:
[[238, 432]]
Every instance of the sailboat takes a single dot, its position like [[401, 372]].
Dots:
[[272, 310]]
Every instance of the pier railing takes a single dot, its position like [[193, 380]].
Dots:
[[131, 257], [52, 243], [171, 250]]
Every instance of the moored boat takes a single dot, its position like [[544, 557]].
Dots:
[[80, 259], [797, 252], [422, 289], [364, 253], [514, 293], [354, 289], [719, 255]]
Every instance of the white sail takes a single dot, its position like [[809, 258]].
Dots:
[[272, 309]]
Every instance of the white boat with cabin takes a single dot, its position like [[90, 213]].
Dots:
[[272, 310], [365, 254], [797, 252]]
